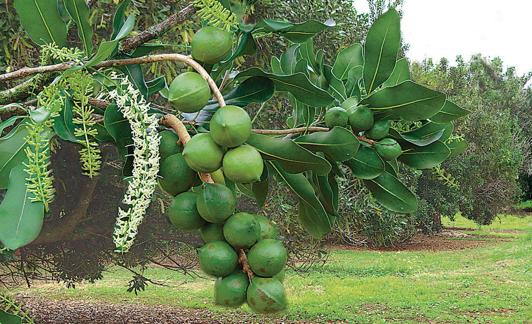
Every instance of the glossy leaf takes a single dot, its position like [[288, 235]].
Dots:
[[80, 12], [407, 100], [109, 48], [12, 152], [156, 85], [21, 218], [380, 49], [448, 113], [63, 124], [392, 194], [339, 143], [42, 22], [400, 73], [426, 134], [254, 89], [136, 76], [312, 215], [118, 127], [297, 33], [297, 84], [326, 192], [119, 17], [292, 157], [425, 157], [366, 164], [354, 80], [347, 59], [8, 123]]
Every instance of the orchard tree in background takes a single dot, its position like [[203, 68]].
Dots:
[[356, 111]]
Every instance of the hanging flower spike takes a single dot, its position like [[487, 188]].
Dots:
[[145, 164]]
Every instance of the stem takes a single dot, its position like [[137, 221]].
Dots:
[[291, 130], [110, 63], [243, 260]]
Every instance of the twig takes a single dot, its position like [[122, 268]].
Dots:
[[157, 30], [243, 260], [110, 63], [367, 140]]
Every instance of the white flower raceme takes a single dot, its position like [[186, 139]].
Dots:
[[145, 165]]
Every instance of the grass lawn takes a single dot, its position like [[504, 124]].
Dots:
[[491, 283]]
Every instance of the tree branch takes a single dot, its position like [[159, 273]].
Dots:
[[157, 30], [24, 72], [243, 260]]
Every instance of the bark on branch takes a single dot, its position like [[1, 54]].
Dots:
[[157, 30]]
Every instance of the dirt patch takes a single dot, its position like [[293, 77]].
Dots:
[[85, 312], [448, 240]]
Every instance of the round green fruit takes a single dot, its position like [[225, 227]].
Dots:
[[231, 291], [183, 213], [218, 176], [241, 230], [336, 116], [379, 130], [176, 175], [267, 257], [211, 44], [168, 145], [230, 126], [350, 103], [361, 118], [388, 149], [216, 202], [212, 232], [203, 154], [217, 259], [189, 92], [243, 164], [266, 295], [267, 229]]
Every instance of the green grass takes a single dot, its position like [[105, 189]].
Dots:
[[486, 284], [524, 205]]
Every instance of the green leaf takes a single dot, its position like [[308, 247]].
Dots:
[[392, 194], [297, 33], [63, 124], [297, 84], [425, 157], [424, 135], [354, 79], [117, 126], [326, 188], [366, 164], [400, 73], [347, 59], [8, 123], [6, 318], [136, 76], [21, 219], [336, 86], [118, 18], [339, 143], [42, 21], [257, 190], [291, 156], [380, 49], [407, 100], [448, 113], [254, 89], [156, 85], [109, 48], [80, 13], [457, 146], [313, 216], [12, 152]]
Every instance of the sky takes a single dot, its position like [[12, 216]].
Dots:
[[446, 28]]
